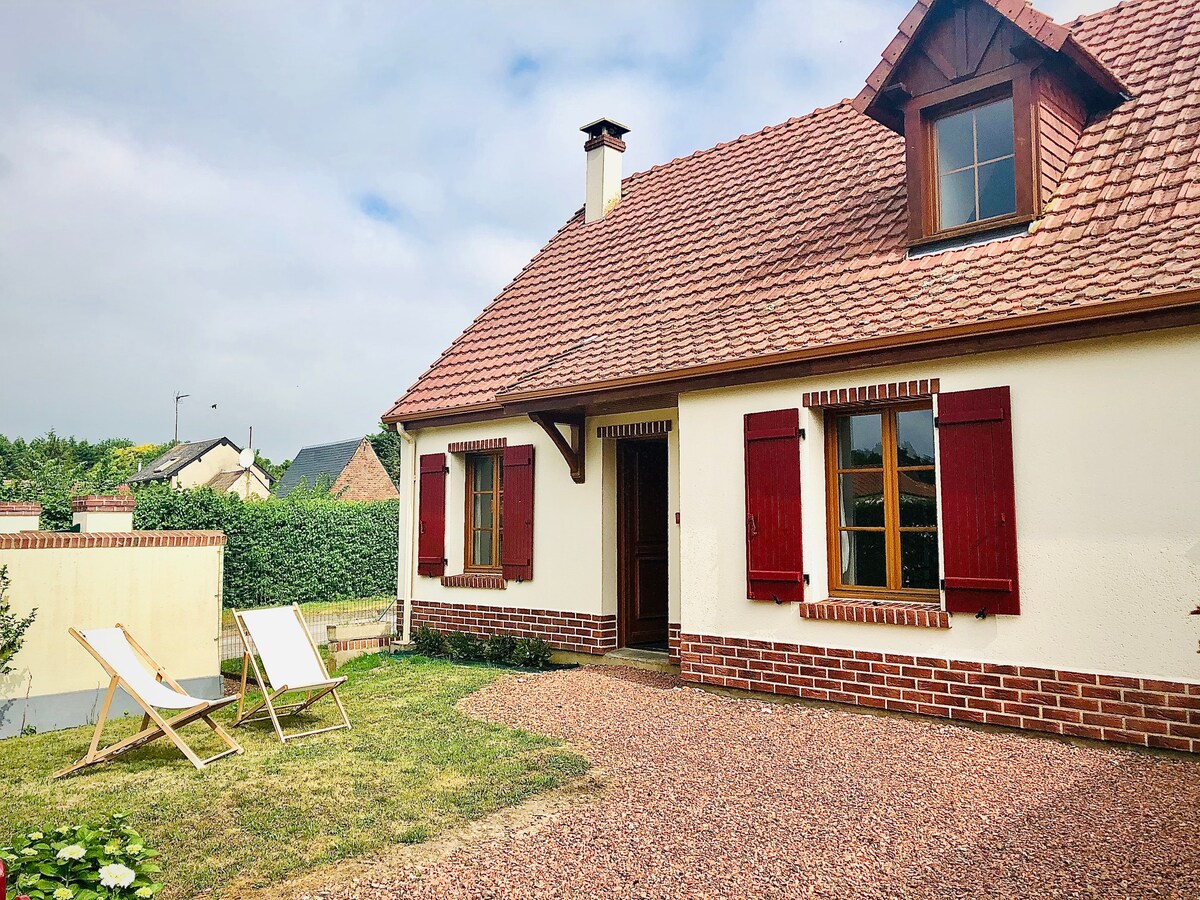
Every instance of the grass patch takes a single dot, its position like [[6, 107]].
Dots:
[[411, 768]]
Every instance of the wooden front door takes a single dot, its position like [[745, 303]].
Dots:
[[642, 527]]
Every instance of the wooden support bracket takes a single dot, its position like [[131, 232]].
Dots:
[[573, 450]]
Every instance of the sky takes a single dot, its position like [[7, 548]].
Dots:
[[289, 209]]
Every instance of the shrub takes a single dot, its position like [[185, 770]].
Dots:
[[499, 648], [87, 862], [531, 653], [430, 642], [528, 653], [306, 546], [12, 629], [464, 646]]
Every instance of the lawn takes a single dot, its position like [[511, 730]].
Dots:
[[411, 767]]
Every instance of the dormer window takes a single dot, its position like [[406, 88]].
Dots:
[[992, 100], [976, 165]]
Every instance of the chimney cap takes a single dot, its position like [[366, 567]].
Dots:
[[604, 126]]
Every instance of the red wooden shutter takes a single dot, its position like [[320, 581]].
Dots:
[[774, 565], [516, 510], [978, 504], [431, 516]]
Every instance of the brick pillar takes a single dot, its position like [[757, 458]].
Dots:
[[16, 517], [100, 512]]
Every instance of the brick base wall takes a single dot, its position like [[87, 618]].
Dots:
[[1143, 711], [577, 632], [673, 643]]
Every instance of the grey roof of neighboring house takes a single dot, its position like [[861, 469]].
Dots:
[[176, 458], [313, 462]]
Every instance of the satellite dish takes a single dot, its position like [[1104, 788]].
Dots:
[[246, 458]]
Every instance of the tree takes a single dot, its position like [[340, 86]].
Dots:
[[387, 447], [12, 629]]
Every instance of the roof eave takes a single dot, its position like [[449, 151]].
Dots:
[[518, 403]]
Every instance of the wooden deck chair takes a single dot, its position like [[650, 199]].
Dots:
[[292, 665], [131, 668]]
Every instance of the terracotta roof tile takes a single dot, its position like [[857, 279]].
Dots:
[[794, 238]]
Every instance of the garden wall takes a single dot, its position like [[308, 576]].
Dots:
[[165, 587]]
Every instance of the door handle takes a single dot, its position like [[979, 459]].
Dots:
[[751, 526]]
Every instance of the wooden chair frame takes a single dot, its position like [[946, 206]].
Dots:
[[271, 693], [161, 727]]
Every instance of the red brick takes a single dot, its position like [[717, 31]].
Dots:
[[1168, 743], [995, 718], [1124, 737], [1092, 732], [1146, 698]]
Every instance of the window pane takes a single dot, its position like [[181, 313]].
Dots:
[[957, 198], [997, 188], [919, 559], [861, 499], [914, 437], [955, 142], [482, 469], [864, 559], [483, 511], [481, 548], [994, 130], [860, 441], [918, 499]]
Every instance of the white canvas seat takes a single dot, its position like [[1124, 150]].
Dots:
[[131, 668], [291, 664]]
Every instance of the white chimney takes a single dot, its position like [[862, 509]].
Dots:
[[604, 148]]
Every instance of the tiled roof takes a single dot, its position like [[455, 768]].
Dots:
[[794, 238], [175, 459], [313, 462]]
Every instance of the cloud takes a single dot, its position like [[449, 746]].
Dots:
[[290, 208]]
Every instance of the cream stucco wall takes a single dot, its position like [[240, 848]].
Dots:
[[168, 597], [222, 458], [1107, 462], [574, 557]]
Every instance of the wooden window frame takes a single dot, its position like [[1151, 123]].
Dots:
[[469, 565], [921, 153], [891, 490]]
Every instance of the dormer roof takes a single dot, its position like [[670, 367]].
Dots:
[[1036, 26]]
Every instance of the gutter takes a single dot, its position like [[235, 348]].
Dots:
[[404, 571]]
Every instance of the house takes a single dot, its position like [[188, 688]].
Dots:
[[213, 463], [892, 404], [352, 469]]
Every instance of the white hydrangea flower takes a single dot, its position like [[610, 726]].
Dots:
[[144, 892], [71, 851], [29, 851], [35, 835], [116, 875], [63, 893], [135, 849]]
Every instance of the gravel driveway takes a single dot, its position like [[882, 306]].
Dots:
[[710, 796]]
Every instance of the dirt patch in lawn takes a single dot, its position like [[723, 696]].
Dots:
[[722, 797], [366, 876]]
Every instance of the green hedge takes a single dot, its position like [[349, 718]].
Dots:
[[292, 550]]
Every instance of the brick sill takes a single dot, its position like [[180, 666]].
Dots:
[[482, 581], [879, 612]]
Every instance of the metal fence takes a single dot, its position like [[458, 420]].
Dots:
[[319, 616]]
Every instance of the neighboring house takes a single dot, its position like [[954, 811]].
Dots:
[[351, 467], [213, 463], [893, 404]]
